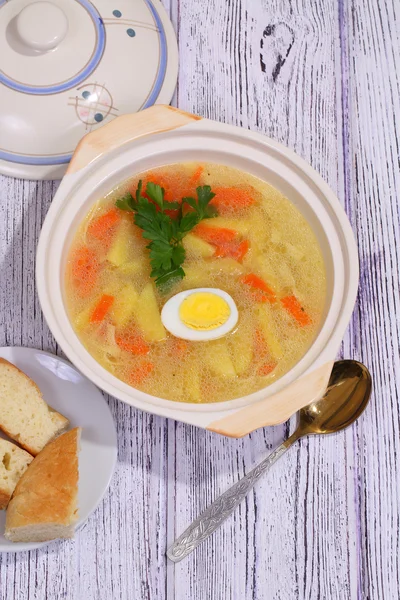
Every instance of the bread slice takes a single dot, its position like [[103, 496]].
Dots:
[[44, 504], [13, 463], [24, 415]]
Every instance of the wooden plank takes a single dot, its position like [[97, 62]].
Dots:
[[371, 59], [23, 205], [122, 546]]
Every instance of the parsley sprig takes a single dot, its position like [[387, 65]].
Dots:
[[165, 233]]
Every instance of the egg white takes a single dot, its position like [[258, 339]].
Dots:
[[172, 321]]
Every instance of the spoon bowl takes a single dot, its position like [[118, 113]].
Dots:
[[345, 399]]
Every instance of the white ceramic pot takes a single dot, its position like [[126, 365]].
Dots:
[[161, 135]]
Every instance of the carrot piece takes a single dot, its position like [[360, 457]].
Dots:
[[261, 290], [254, 281], [140, 373], [233, 249], [84, 268], [100, 227], [215, 235], [195, 178], [175, 188], [262, 353], [242, 250], [173, 212], [134, 344], [266, 368], [179, 347], [231, 199], [294, 308], [102, 308]]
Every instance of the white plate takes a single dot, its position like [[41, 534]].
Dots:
[[66, 390]]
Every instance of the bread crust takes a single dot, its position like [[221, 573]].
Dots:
[[47, 492], [4, 499]]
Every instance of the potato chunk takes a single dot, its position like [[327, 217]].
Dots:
[[267, 326], [219, 360], [125, 306], [196, 247], [148, 315]]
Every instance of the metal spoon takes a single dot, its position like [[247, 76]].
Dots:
[[345, 399]]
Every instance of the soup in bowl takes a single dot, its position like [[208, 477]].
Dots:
[[247, 241], [230, 301]]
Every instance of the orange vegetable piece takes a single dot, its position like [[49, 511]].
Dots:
[[140, 373], [85, 268], [261, 290], [262, 353], [179, 347], [266, 368], [234, 249], [133, 343], [242, 250], [102, 308], [175, 187], [100, 227], [230, 199], [224, 240], [215, 235], [294, 308], [173, 212]]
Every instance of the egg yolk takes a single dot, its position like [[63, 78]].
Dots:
[[204, 310]]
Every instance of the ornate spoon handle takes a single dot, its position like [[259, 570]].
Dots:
[[224, 506]]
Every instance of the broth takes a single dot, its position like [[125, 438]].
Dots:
[[270, 263]]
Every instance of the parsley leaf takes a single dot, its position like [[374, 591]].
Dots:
[[204, 197], [167, 279], [178, 254], [155, 193], [187, 223], [126, 202], [165, 233], [201, 205]]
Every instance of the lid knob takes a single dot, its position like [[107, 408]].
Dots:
[[42, 25]]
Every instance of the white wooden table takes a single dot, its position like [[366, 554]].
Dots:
[[319, 76]]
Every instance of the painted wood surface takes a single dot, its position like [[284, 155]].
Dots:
[[323, 78]]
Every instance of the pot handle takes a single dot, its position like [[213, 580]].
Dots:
[[124, 129], [277, 408]]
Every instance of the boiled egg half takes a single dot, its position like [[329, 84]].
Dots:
[[200, 315]]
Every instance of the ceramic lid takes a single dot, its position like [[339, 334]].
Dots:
[[66, 68]]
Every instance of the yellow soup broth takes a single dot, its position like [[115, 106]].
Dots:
[[259, 249]]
